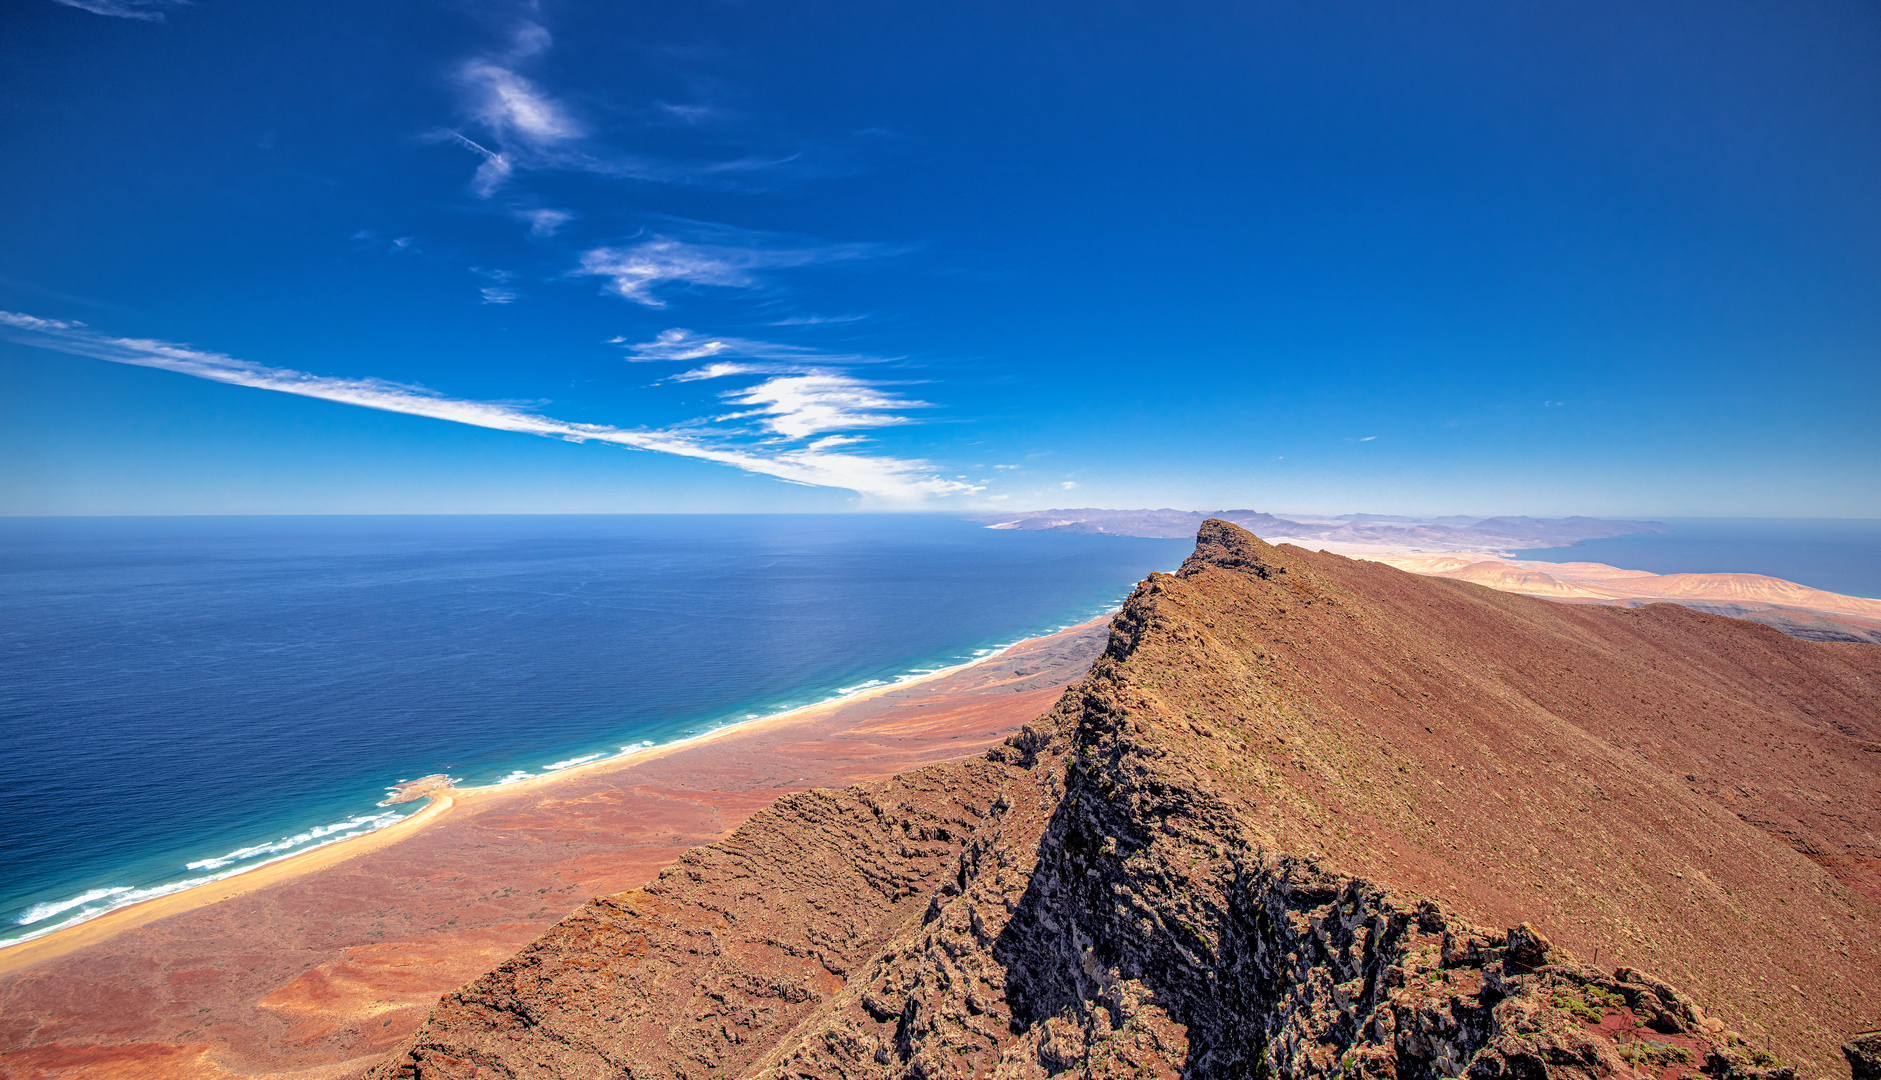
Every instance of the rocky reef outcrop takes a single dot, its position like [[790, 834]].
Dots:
[[1122, 890]]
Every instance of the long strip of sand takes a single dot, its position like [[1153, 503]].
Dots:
[[37, 950], [317, 964]]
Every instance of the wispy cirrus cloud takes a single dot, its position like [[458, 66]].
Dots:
[[492, 172], [829, 461], [816, 320], [807, 392], [515, 124], [682, 345], [799, 406], [724, 369], [146, 10], [522, 124], [515, 108], [545, 222], [805, 396], [635, 271]]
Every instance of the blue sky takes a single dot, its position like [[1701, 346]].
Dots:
[[1494, 257]]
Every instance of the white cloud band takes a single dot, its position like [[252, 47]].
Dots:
[[821, 463]]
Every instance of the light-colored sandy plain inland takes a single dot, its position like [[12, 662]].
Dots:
[[316, 966], [1794, 609]]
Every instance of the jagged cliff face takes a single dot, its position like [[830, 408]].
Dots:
[[1264, 838]]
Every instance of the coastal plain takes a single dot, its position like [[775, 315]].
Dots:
[[317, 966]]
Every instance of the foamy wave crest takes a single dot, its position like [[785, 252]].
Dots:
[[98, 902], [362, 823], [519, 774], [845, 691], [42, 912], [572, 762], [122, 896]]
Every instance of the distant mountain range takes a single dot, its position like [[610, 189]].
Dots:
[[1347, 532]]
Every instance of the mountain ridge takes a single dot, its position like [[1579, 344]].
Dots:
[[1268, 835]]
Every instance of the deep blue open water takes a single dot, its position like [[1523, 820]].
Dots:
[[187, 697], [1837, 554]]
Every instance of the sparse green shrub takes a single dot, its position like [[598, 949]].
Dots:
[[1604, 998], [1589, 1003], [1647, 1054], [1576, 1005]]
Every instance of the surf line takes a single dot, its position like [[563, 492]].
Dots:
[[136, 906], [177, 897], [842, 695]]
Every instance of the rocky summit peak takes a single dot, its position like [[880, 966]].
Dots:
[[1306, 818], [1230, 547]]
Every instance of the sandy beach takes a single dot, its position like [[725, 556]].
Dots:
[[315, 965]]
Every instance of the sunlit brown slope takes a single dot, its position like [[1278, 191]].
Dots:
[[1277, 830]]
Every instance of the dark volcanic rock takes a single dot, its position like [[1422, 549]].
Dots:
[[1274, 834], [1864, 1055]]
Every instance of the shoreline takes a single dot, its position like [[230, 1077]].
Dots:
[[114, 921], [32, 951]]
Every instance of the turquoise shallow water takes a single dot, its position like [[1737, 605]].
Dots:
[[182, 698], [1838, 554]]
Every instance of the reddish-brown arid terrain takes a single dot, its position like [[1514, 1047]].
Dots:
[[1306, 817], [321, 975]]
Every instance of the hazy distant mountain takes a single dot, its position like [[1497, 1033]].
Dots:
[[1349, 531]]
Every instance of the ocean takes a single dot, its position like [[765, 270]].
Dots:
[[188, 698], [1837, 554]]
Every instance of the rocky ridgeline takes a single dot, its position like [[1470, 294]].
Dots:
[[1096, 897]]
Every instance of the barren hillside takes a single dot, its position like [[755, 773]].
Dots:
[[1308, 817]]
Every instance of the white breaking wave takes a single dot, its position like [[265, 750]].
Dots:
[[362, 823], [42, 912], [98, 902], [572, 762]]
